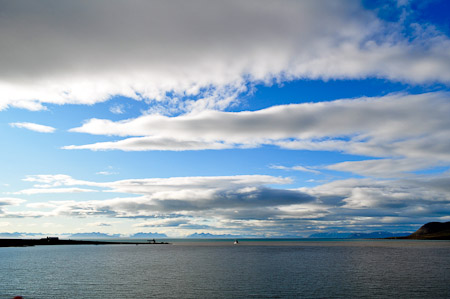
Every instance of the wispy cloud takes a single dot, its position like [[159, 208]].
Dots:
[[117, 109], [109, 171], [33, 127], [295, 168], [100, 224], [106, 173]]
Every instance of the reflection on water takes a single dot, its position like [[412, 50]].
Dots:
[[363, 269]]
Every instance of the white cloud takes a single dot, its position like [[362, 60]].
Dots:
[[85, 52], [384, 118], [411, 130], [152, 144], [33, 127]]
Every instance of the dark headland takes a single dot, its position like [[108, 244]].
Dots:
[[57, 241], [430, 231]]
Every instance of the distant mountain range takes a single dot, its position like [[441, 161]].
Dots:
[[94, 235], [19, 235], [211, 236], [11, 235], [148, 235], [429, 231], [372, 235]]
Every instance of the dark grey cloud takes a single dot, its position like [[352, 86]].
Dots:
[[233, 200]]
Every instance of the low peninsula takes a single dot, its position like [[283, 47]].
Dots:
[[430, 231], [57, 241]]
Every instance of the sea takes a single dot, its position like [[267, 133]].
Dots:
[[302, 268]]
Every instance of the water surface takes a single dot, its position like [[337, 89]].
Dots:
[[218, 269]]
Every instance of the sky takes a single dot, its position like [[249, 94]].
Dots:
[[251, 118]]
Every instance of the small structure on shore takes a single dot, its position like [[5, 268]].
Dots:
[[51, 239]]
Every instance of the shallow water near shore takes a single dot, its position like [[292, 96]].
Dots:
[[219, 269]]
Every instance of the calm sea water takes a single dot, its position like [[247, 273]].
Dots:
[[257, 269]]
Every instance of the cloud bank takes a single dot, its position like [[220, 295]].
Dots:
[[168, 196], [246, 204], [85, 52]]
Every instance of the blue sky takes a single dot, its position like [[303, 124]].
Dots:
[[250, 118]]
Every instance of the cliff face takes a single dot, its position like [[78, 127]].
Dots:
[[432, 231]]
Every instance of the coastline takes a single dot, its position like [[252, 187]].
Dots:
[[303, 242]]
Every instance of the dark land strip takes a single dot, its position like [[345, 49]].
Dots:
[[57, 241]]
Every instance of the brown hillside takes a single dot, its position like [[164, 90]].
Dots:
[[432, 231]]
